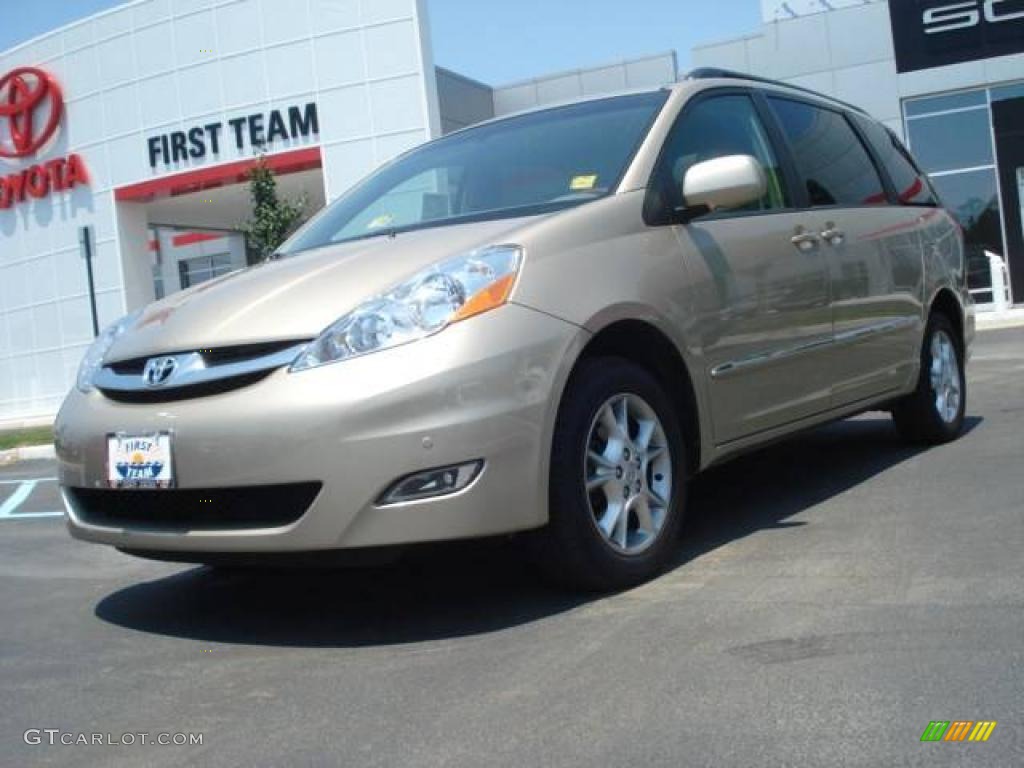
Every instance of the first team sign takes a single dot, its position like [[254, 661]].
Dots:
[[31, 108]]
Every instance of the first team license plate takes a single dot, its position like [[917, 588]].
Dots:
[[140, 461]]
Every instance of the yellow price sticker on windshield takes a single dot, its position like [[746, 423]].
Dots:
[[384, 220], [583, 183]]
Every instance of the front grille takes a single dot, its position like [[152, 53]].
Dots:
[[173, 395], [199, 373], [247, 507], [212, 357]]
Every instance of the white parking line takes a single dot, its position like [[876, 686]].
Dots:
[[16, 499]]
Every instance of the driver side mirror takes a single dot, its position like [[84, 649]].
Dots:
[[731, 181]]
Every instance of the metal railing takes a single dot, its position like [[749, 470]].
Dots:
[[999, 286]]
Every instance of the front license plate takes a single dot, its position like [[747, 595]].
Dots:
[[140, 461]]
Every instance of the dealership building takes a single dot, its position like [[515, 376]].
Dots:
[[127, 136]]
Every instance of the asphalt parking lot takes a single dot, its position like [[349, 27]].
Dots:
[[832, 596]]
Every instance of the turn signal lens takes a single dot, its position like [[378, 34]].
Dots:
[[491, 297]]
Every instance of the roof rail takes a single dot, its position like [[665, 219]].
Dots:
[[709, 73]]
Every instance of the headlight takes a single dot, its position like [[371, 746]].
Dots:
[[93, 359], [421, 306]]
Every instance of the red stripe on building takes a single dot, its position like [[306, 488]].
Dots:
[[191, 238], [218, 175]]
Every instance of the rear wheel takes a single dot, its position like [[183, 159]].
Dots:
[[934, 413], [617, 482]]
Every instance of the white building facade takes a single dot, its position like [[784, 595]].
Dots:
[[141, 123]]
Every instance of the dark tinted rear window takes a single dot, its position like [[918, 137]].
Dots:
[[912, 187], [835, 166]]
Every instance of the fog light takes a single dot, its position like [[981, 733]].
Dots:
[[432, 482]]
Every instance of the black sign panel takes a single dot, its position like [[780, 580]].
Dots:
[[933, 33], [1008, 121]]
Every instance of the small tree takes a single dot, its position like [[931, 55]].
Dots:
[[273, 218]]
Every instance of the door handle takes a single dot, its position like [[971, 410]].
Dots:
[[832, 236], [805, 241]]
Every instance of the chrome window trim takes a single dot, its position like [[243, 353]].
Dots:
[[193, 371]]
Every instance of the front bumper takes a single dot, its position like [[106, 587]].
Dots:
[[482, 389]]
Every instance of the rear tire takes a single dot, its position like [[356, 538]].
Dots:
[[934, 413], [617, 479]]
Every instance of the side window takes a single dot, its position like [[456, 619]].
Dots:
[[833, 163], [716, 127], [912, 186]]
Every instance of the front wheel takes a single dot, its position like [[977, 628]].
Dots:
[[617, 479], [934, 413]]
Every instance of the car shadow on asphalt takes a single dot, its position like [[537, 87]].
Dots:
[[764, 489], [473, 588]]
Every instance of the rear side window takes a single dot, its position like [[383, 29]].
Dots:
[[834, 165], [912, 186]]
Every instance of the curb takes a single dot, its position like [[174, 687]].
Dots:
[[997, 321], [28, 453], [1000, 325]]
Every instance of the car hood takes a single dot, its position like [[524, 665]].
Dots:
[[295, 298]]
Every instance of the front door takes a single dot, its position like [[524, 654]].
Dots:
[[764, 321], [760, 283]]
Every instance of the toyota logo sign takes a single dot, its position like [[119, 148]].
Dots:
[[31, 106]]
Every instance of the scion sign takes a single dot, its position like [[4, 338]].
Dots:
[[933, 34]]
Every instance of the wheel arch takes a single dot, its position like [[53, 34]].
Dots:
[[643, 343], [945, 301]]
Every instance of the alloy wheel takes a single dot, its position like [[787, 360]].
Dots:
[[628, 474], [945, 377]]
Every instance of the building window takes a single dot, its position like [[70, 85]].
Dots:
[[973, 197], [203, 268], [1007, 92], [952, 138], [947, 103]]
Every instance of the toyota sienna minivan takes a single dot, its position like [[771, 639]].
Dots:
[[546, 324]]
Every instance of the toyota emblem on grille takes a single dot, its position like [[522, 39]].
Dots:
[[159, 370]]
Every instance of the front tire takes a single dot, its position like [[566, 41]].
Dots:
[[934, 413], [617, 482]]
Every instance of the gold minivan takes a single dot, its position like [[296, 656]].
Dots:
[[547, 324]]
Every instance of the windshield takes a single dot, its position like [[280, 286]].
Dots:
[[524, 165]]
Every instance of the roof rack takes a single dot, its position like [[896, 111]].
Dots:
[[709, 73]]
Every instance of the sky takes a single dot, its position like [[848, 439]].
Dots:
[[501, 41]]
